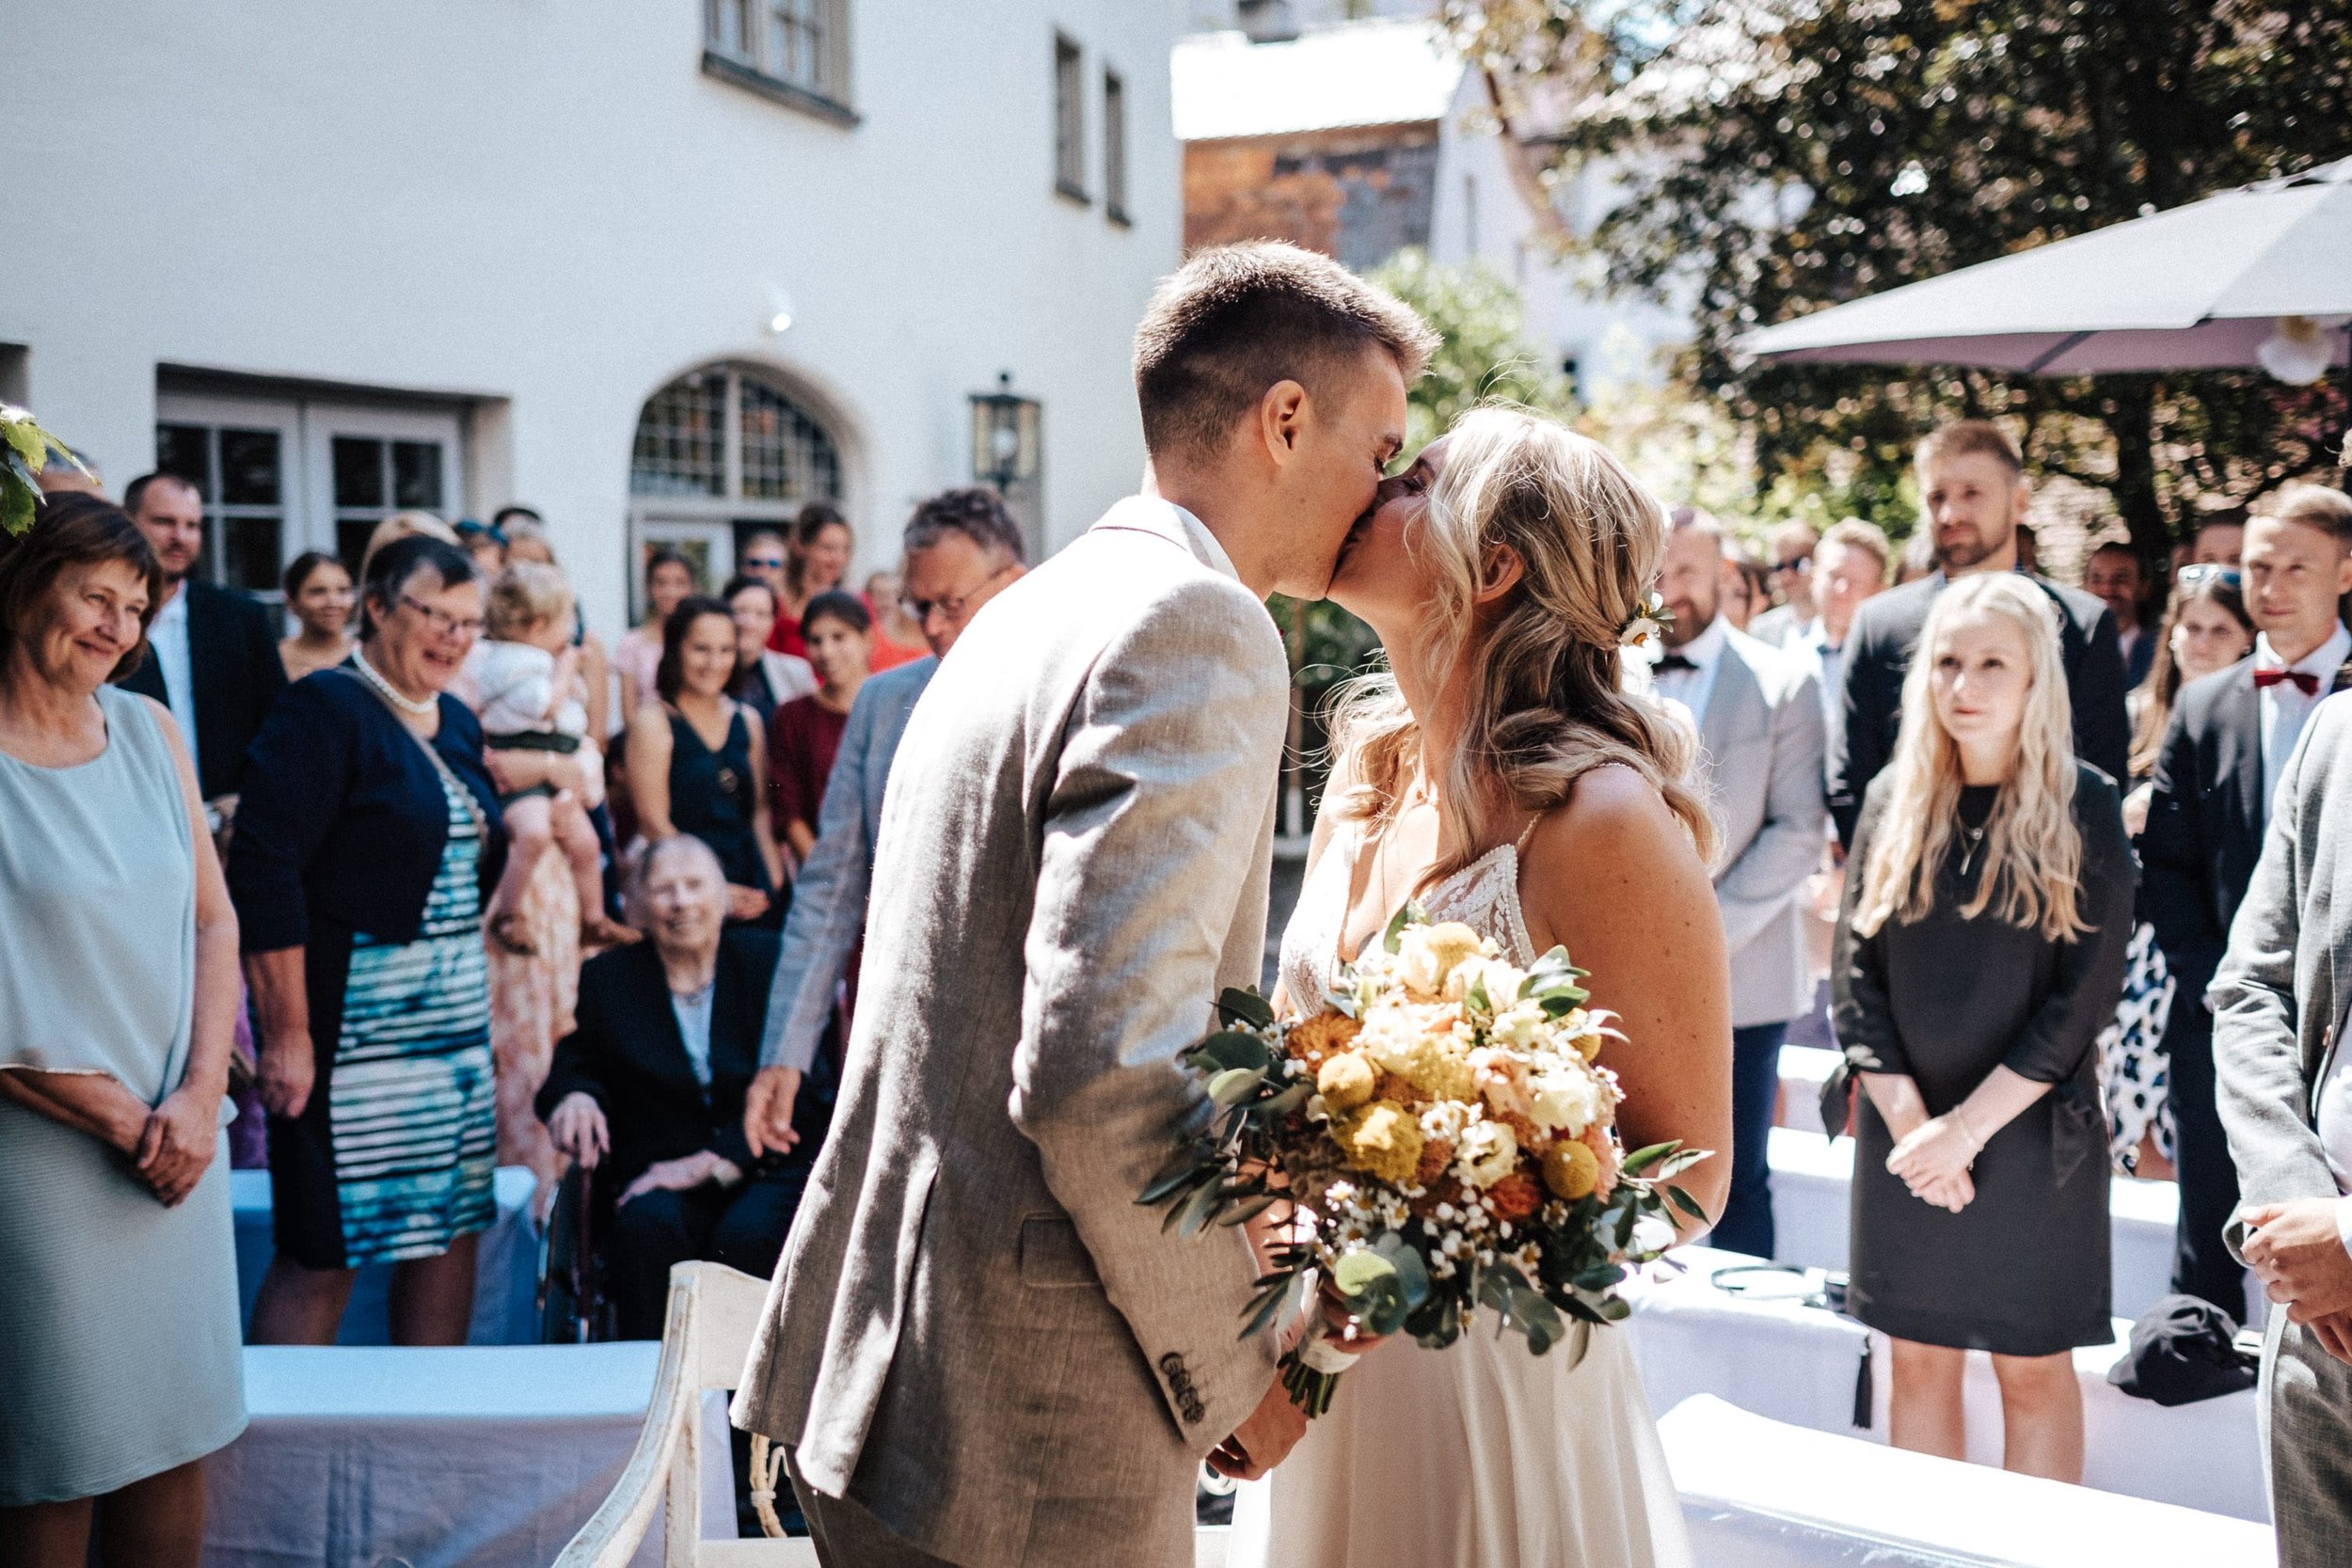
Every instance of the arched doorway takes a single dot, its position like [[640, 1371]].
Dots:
[[720, 453]]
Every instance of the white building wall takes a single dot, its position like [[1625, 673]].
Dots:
[[546, 205]]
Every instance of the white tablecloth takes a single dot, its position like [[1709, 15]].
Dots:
[[1760, 1494], [1798, 1364], [377, 1457], [506, 1269]]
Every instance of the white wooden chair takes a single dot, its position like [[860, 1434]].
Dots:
[[713, 1312]]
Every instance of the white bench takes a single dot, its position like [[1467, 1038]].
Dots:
[[1760, 1494]]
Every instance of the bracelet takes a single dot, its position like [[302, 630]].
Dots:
[[1976, 1144]]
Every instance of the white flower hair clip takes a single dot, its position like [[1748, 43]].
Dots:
[[1644, 636]]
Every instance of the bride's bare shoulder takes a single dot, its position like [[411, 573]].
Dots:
[[1613, 844]]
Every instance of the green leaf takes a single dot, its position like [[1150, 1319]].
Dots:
[[1237, 1005], [1361, 1270], [1476, 999], [1688, 1204], [1642, 1158], [16, 504], [1180, 1172], [1199, 1208], [27, 439], [1287, 1102], [1252, 1209], [1409, 914], [1236, 1085], [1231, 1048]]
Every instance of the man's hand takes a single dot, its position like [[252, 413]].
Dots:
[[767, 1110], [285, 1074], [178, 1144], [1261, 1441], [2299, 1255], [683, 1175], [577, 1127]]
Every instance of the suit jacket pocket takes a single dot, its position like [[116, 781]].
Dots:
[[1053, 1258]]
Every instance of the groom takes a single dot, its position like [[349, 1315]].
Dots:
[[978, 1349]]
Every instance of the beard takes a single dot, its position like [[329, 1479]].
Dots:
[[1962, 554]]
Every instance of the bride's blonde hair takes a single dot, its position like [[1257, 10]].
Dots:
[[2032, 850], [1547, 700]]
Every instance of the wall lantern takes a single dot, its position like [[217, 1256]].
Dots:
[[1004, 435]]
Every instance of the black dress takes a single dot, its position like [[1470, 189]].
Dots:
[[711, 793], [2023, 1270]]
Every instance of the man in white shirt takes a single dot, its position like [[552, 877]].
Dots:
[[2216, 781], [1758, 711], [1848, 567], [2112, 576]]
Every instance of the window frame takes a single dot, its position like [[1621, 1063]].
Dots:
[[1070, 121], [1115, 148], [747, 65]]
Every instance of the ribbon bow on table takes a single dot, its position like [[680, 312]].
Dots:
[[2304, 680]]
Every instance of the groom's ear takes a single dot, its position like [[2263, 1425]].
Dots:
[[1282, 420], [1499, 570]]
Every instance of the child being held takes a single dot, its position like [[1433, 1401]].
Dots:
[[527, 679]]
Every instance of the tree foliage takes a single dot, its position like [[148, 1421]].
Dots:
[[1774, 157]]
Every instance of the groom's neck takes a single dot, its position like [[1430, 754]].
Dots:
[[1220, 501]]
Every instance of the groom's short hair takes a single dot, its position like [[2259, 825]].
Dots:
[[1236, 318]]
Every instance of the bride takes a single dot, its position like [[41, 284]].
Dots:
[[1503, 777]]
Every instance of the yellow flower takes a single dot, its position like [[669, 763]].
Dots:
[[1427, 955], [1570, 1170], [1382, 1140], [1345, 1081]]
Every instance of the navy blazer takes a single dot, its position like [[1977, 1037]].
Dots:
[[1879, 646], [233, 665], [626, 1055], [343, 820]]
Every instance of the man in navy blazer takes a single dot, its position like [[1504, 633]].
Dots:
[[2224, 750], [962, 548], [1973, 495], [212, 652]]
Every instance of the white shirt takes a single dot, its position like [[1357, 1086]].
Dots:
[[694, 1027], [1691, 688], [167, 634], [2284, 708]]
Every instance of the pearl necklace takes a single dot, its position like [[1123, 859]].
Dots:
[[383, 689]]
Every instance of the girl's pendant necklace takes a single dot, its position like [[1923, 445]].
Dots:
[[1975, 841]]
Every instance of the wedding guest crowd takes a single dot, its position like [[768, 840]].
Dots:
[[804, 732], [118, 1298]]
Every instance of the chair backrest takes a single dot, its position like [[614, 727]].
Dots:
[[713, 1313]]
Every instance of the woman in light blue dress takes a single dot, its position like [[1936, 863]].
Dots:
[[119, 1366]]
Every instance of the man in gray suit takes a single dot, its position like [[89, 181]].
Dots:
[[2278, 1003], [1762, 732], [979, 1348], [962, 550]]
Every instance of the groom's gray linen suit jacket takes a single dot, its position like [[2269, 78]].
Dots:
[[2278, 1001], [975, 1333]]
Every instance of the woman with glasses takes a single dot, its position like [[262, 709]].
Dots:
[[369, 837]]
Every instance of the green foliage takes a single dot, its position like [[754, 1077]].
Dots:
[[26, 450], [1485, 353], [1778, 156]]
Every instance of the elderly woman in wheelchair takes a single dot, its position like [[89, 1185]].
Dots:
[[647, 1093]]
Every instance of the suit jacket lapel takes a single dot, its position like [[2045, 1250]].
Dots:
[[1734, 693], [2238, 732]]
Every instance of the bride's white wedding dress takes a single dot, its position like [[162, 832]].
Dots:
[[1480, 1455]]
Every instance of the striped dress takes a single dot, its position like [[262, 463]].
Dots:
[[412, 1099]]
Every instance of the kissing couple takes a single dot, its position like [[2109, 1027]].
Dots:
[[978, 1349]]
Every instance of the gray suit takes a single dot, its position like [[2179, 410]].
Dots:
[[976, 1336], [1763, 732], [828, 912], [2277, 1003]]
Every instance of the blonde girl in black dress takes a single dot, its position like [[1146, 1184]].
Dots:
[[1980, 952]]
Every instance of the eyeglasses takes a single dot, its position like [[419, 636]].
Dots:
[[753, 563], [951, 608], [2206, 571], [441, 621], [1802, 565]]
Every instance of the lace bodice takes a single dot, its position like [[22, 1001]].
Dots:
[[1483, 895]]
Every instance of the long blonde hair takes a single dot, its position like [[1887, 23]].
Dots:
[[1547, 703], [2032, 850]]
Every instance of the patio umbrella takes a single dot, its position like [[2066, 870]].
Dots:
[[2258, 276]]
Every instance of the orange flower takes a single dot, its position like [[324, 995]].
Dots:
[[1312, 1041], [1515, 1197], [1435, 1156]]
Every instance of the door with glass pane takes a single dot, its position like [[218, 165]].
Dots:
[[244, 456], [371, 463]]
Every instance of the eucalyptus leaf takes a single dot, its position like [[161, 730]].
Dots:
[[1410, 914], [1231, 1048], [1252, 1209], [1198, 1207], [1688, 1204], [1168, 1182], [1361, 1270], [1236, 1085], [1287, 1102], [1642, 1158], [1579, 1341], [1245, 1006]]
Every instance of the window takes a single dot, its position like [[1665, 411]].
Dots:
[[241, 476], [793, 51], [1114, 148], [720, 454], [372, 478], [1070, 154]]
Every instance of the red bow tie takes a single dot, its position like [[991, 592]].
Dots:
[[2304, 680]]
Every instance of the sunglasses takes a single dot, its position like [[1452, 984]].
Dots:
[[2206, 571], [763, 560]]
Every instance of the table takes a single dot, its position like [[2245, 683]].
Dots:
[[479, 1456], [506, 1270], [1760, 1494], [1800, 1364]]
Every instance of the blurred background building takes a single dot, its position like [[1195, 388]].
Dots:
[[661, 269]]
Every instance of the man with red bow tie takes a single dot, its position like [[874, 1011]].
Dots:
[[2223, 756]]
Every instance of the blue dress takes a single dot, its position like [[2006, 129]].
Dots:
[[118, 1345]]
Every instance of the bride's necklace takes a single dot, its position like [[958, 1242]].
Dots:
[[384, 690]]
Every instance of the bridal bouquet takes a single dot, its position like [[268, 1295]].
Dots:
[[1447, 1129]]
